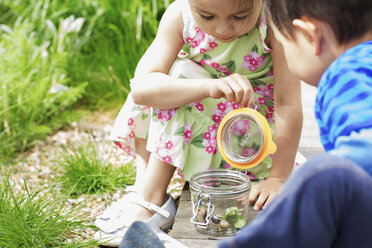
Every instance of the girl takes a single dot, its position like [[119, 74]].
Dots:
[[208, 58]]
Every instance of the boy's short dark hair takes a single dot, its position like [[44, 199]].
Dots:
[[349, 19]]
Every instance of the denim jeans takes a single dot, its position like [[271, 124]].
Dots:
[[325, 203]]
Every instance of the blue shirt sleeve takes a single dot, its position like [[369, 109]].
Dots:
[[356, 147]]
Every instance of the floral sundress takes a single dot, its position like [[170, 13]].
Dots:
[[185, 137]]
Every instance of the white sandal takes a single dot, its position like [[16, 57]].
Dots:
[[114, 210], [112, 229]]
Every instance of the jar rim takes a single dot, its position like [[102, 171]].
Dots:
[[204, 181]]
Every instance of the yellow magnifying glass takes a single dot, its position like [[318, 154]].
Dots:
[[244, 138]]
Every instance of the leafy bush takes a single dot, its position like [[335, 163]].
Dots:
[[56, 55], [29, 107]]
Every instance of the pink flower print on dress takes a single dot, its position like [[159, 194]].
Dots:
[[216, 118], [169, 145], [262, 19], [207, 136], [167, 159], [200, 36], [206, 62], [194, 43], [265, 90], [209, 139], [131, 134], [215, 65], [165, 114], [187, 133], [199, 106], [146, 109], [269, 115], [130, 121], [212, 44], [203, 50], [261, 100], [226, 166], [224, 70], [253, 61], [210, 149], [222, 109], [188, 39], [126, 149], [256, 89], [221, 106]]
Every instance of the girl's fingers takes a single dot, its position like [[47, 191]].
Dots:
[[269, 199], [221, 89], [247, 94], [253, 194], [236, 85], [248, 97], [261, 200], [227, 91]]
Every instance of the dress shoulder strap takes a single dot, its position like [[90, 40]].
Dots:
[[188, 19]]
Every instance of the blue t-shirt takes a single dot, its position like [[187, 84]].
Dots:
[[343, 106]]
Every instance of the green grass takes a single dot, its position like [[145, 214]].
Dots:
[[84, 171], [39, 219], [94, 63]]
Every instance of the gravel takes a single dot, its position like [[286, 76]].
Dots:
[[37, 166]]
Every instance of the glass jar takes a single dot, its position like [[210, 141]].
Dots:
[[220, 202]]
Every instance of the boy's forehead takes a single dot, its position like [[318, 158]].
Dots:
[[226, 7]]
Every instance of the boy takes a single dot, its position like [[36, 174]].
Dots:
[[327, 202]]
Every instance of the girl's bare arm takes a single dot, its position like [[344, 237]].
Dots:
[[151, 85]]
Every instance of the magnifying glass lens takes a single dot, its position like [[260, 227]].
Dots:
[[242, 138]]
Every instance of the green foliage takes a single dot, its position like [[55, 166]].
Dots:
[[57, 54], [86, 172], [105, 52], [39, 219], [29, 109], [234, 216]]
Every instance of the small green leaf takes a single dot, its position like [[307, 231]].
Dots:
[[198, 141], [206, 56], [231, 65], [179, 131], [239, 221], [255, 49]]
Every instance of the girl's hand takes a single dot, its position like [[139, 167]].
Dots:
[[264, 192], [235, 88]]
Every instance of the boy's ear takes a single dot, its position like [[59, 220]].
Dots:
[[310, 31]]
